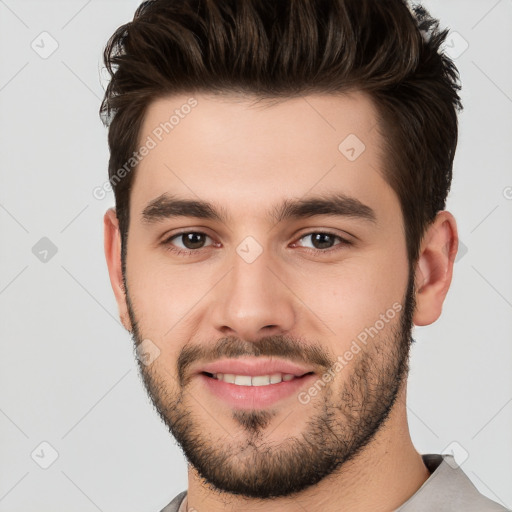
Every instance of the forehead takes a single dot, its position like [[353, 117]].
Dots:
[[237, 151]]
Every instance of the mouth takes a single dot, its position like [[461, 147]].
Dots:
[[264, 370], [254, 383], [256, 380]]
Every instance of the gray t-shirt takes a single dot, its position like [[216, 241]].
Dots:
[[447, 490]]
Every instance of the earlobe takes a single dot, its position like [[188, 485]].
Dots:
[[112, 244], [434, 268]]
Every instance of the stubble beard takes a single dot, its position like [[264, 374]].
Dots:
[[340, 424]]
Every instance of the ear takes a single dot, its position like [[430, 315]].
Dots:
[[434, 268], [112, 242]]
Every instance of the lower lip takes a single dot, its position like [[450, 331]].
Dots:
[[252, 397]]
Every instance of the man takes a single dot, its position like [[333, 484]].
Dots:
[[280, 172]]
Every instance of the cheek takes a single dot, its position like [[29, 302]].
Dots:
[[165, 295], [351, 296]]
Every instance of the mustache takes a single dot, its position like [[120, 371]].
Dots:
[[293, 349]]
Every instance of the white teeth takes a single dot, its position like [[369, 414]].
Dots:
[[263, 380], [243, 380], [260, 380]]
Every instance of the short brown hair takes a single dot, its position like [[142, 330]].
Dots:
[[277, 49]]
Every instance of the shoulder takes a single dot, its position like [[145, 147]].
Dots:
[[174, 505], [448, 489]]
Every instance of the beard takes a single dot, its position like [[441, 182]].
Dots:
[[341, 422]]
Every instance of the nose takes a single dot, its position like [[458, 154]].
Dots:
[[252, 301]]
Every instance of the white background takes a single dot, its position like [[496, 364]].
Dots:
[[67, 372]]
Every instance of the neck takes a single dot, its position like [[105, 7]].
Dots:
[[385, 474]]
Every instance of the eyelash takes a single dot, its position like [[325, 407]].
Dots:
[[190, 252]]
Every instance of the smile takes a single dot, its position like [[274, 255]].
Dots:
[[258, 380]]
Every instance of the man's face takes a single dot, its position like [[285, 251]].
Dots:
[[267, 287]]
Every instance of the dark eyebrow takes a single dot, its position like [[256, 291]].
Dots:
[[338, 205], [169, 206]]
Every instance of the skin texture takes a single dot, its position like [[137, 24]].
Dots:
[[349, 445]]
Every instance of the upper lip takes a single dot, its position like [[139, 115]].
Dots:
[[254, 367]]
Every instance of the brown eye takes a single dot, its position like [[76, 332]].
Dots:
[[321, 240], [193, 240], [189, 241]]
